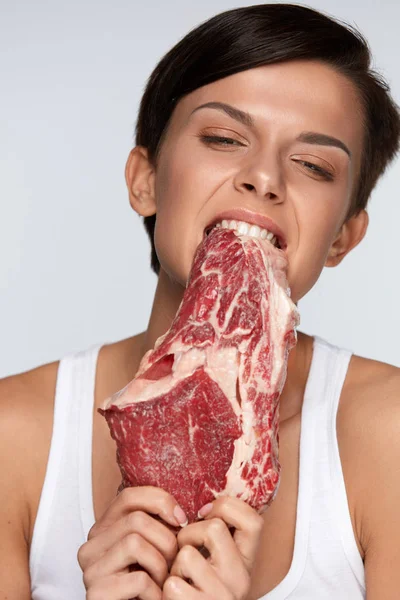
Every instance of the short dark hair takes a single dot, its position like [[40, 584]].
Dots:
[[264, 34]]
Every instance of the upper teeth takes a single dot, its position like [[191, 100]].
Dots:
[[251, 230]]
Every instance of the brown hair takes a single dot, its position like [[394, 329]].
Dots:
[[252, 36]]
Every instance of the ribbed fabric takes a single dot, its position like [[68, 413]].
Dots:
[[326, 563], [65, 512]]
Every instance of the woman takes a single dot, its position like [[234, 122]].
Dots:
[[272, 109]]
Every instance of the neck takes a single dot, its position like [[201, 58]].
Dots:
[[167, 299]]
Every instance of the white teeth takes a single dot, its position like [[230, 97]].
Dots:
[[254, 231], [244, 228]]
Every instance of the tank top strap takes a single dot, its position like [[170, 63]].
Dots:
[[71, 447], [84, 371], [308, 451], [339, 361]]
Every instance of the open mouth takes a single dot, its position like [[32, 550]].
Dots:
[[243, 228]]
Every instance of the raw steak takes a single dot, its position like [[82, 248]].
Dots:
[[200, 418]]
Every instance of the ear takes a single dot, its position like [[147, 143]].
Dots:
[[140, 180], [349, 236]]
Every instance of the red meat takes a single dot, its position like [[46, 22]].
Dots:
[[200, 418]]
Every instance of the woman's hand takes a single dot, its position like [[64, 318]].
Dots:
[[126, 535], [226, 573]]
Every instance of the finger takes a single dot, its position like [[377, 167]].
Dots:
[[128, 551], [225, 559], [190, 564], [247, 522], [147, 498], [138, 521], [215, 536], [125, 587], [176, 588]]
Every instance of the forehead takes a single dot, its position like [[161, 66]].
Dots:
[[286, 97]]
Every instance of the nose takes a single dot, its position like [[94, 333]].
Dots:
[[263, 178]]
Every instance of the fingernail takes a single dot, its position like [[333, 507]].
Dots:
[[205, 510], [180, 516]]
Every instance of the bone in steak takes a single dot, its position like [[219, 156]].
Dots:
[[200, 418]]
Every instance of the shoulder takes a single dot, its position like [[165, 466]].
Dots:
[[369, 391], [370, 394], [368, 429], [26, 420]]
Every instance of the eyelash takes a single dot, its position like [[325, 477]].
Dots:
[[208, 139]]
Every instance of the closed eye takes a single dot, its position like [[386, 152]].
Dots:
[[215, 139], [318, 170], [225, 141]]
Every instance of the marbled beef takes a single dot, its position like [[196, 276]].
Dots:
[[200, 418]]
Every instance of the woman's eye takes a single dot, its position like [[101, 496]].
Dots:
[[317, 170], [216, 139], [225, 141]]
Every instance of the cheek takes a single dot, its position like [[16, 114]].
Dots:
[[304, 272], [180, 183], [181, 192], [317, 229]]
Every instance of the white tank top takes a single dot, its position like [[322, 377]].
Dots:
[[326, 563]]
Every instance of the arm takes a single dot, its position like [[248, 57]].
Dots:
[[15, 462], [381, 504]]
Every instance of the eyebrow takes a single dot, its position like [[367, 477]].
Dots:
[[245, 118]]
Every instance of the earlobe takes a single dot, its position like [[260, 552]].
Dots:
[[350, 235], [139, 177]]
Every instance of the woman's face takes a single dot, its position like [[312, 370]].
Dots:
[[304, 187]]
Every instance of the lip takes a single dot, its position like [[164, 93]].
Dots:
[[253, 218]]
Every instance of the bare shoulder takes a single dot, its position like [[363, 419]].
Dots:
[[26, 420], [369, 410], [366, 371], [371, 387]]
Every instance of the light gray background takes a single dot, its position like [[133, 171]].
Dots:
[[74, 258]]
